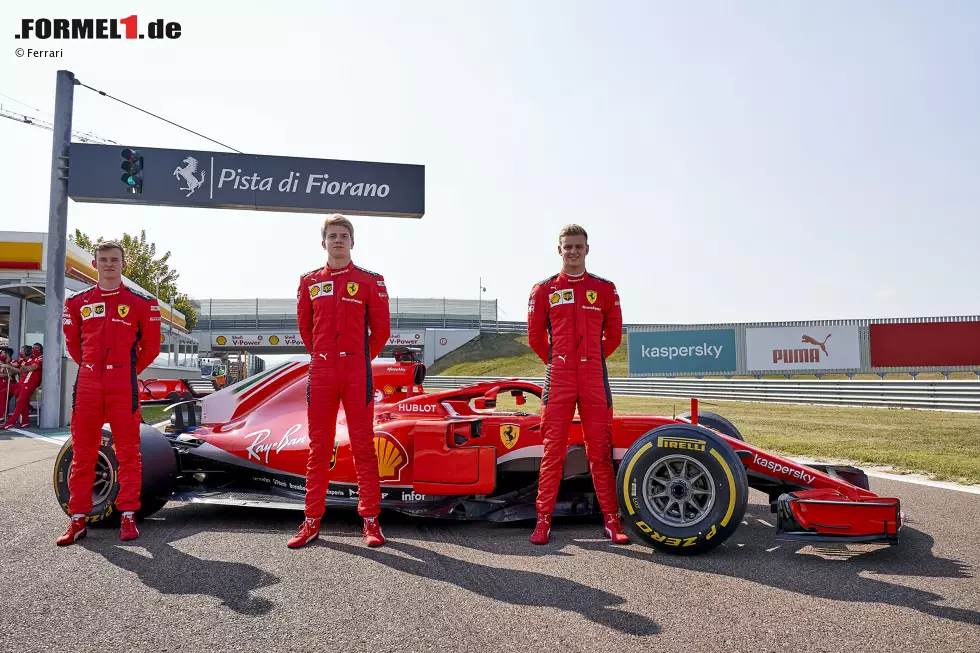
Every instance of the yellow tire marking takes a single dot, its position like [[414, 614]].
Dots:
[[626, 477], [731, 486]]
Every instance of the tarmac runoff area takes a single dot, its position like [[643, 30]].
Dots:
[[221, 579]]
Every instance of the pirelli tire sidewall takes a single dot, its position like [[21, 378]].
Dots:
[[159, 464], [727, 477]]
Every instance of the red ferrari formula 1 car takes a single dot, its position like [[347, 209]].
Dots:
[[683, 482]]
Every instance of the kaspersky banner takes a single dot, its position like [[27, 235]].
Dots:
[[702, 351], [779, 349], [225, 180]]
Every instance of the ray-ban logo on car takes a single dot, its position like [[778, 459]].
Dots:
[[680, 443]]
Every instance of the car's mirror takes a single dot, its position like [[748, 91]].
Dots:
[[488, 400]]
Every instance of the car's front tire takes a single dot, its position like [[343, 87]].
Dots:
[[716, 422], [159, 474], [682, 489]]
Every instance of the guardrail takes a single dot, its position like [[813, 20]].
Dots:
[[926, 395]]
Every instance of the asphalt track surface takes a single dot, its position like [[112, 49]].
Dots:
[[214, 578]]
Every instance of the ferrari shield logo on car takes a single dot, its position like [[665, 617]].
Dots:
[[352, 288], [592, 296], [123, 310], [509, 433], [333, 458]]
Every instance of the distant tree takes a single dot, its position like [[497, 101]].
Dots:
[[146, 269]]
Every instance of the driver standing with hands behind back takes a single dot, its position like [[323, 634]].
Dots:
[[581, 314], [344, 320]]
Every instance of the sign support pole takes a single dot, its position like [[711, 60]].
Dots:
[[54, 288]]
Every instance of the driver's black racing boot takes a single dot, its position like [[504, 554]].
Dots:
[[76, 531], [308, 531], [542, 532], [614, 530]]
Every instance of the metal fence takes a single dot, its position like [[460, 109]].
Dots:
[[931, 395]]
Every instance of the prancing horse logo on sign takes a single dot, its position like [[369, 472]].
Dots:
[[187, 174]]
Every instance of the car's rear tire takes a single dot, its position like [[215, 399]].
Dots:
[[159, 476], [682, 489], [716, 422]]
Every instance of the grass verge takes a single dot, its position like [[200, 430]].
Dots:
[[945, 445], [154, 414]]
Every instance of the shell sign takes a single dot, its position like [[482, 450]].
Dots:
[[392, 458]]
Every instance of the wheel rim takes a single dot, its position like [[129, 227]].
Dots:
[[679, 490], [103, 479]]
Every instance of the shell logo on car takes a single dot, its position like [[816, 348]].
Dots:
[[392, 458]]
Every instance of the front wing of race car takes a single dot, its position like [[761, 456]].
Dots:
[[826, 515]]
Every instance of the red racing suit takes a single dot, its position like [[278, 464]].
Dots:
[[8, 387], [113, 335], [344, 322], [29, 382], [584, 320]]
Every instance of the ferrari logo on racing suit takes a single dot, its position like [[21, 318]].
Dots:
[[509, 433], [592, 296], [352, 288], [123, 310]]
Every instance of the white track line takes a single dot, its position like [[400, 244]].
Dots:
[[904, 478]]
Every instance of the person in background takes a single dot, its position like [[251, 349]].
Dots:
[[30, 380], [8, 380]]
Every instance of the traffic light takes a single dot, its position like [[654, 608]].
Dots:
[[133, 167]]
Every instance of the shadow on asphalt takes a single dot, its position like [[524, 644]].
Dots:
[[828, 571], [512, 586], [171, 571]]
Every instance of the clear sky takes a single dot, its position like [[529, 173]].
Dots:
[[732, 161]]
